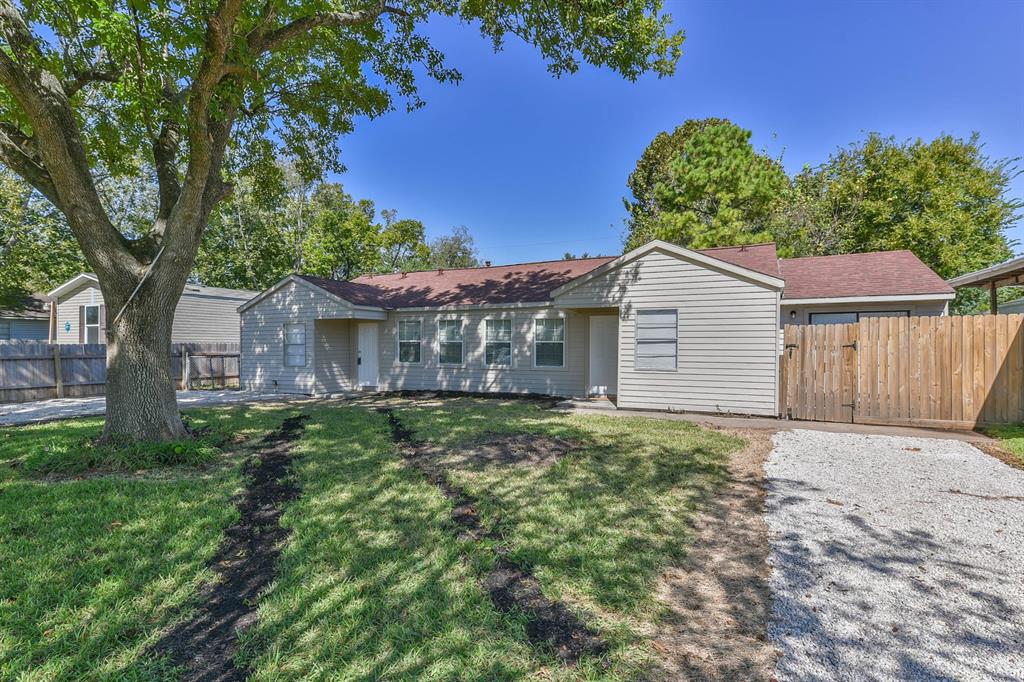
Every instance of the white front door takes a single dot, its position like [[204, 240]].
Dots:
[[367, 354], [604, 355]]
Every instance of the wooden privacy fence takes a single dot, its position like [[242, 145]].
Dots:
[[34, 370], [952, 372]]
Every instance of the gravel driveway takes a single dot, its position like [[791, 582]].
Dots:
[[894, 558], [64, 408]]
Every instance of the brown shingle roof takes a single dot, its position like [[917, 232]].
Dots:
[[757, 257], [522, 283], [881, 273], [893, 273]]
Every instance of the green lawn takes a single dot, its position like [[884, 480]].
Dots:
[[374, 582], [1011, 437]]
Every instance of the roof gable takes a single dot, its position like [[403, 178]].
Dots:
[[717, 259]]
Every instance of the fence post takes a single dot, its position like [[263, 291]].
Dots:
[[184, 369], [58, 377]]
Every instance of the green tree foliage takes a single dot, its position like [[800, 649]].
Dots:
[[717, 191], [317, 228], [651, 169], [37, 248], [88, 85], [454, 250], [944, 200]]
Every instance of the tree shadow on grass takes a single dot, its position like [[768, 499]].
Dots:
[[929, 612]]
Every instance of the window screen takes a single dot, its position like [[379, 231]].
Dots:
[[498, 343], [295, 345], [549, 342], [657, 339], [410, 341], [450, 339]]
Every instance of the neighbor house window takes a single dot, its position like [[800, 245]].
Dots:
[[410, 341], [498, 343], [549, 342], [449, 333], [92, 324], [295, 344], [656, 339], [852, 317]]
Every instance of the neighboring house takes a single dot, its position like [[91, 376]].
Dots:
[[203, 315], [30, 322], [1012, 307], [661, 327]]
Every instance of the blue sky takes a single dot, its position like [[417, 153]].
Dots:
[[535, 166]]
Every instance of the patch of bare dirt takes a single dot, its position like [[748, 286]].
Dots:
[[719, 601], [518, 449], [993, 449], [245, 565], [512, 587]]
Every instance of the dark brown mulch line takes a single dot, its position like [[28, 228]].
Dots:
[[245, 564], [513, 449], [511, 586]]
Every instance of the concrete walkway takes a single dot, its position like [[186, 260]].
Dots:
[[771, 424], [12, 414]]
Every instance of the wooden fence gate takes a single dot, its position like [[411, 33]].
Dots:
[[952, 372]]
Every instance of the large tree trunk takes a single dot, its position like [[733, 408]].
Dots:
[[141, 402]]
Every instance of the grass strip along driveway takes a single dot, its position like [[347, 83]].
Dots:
[[375, 579]]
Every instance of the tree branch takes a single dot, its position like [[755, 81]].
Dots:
[[16, 153], [87, 76], [58, 144], [275, 39]]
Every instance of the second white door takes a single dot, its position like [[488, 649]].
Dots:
[[367, 354], [604, 355]]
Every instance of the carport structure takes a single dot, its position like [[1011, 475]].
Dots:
[[1008, 274]]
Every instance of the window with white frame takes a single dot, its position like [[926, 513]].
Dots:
[[449, 334], [549, 342], [410, 341], [294, 344], [656, 339], [92, 324], [498, 343]]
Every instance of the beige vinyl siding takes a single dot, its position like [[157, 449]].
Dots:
[[473, 375], [262, 338], [199, 317], [204, 318], [67, 311], [334, 355], [727, 334], [924, 308]]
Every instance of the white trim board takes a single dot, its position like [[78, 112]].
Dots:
[[910, 298]]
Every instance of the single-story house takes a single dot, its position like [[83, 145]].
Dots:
[[29, 322], [203, 314], [661, 327]]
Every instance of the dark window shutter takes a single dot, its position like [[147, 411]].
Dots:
[[81, 324], [103, 324]]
